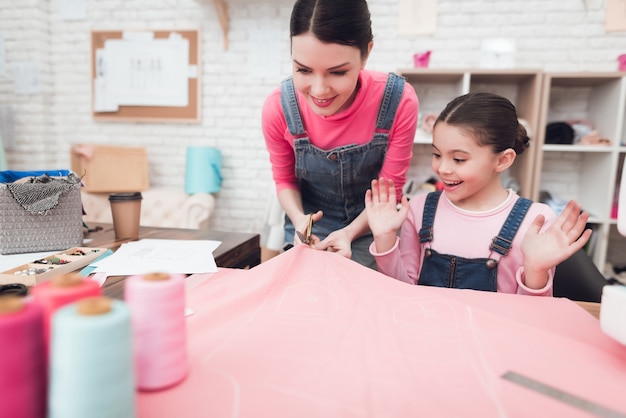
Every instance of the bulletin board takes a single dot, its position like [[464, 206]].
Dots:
[[186, 111]]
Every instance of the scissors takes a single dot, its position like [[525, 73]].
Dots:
[[306, 237], [16, 289]]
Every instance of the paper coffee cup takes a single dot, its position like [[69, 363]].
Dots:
[[126, 211]]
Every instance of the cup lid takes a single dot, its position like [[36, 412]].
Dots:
[[120, 197]]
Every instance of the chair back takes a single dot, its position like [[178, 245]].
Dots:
[[578, 278]]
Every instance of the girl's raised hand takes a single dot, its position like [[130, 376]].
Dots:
[[383, 215], [544, 250]]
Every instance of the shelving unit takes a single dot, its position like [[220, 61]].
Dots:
[[435, 88], [587, 174]]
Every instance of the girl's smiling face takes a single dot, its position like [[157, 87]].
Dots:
[[326, 74], [469, 171]]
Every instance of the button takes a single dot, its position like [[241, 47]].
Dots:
[[491, 264], [332, 157]]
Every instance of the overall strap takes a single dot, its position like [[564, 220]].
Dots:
[[428, 217], [389, 103], [291, 109], [502, 243]]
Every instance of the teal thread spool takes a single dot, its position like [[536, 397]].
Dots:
[[91, 361], [203, 170]]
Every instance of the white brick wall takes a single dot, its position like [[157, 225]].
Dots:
[[551, 35]]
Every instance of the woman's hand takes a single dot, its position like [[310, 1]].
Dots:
[[544, 250], [302, 226], [337, 241], [383, 216]]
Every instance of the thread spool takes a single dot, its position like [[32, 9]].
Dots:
[[91, 364], [157, 305], [22, 362], [60, 291]]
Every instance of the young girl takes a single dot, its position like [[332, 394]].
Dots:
[[333, 127], [475, 234]]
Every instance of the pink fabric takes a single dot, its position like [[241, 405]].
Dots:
[[404, 261], [311, 334], [355, 125], [52, 297]]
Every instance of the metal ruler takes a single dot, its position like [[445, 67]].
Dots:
[[559, 395]]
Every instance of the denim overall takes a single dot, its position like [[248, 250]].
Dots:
[[443, 270], [335, 181]]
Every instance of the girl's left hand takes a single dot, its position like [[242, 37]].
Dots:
[[543, 251]]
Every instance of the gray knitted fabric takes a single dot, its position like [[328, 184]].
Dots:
[[40, 194]]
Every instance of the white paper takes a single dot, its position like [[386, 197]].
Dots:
[[417, 17], [102, 100], [26, 78], [146, 72], [192, 71], [156, 255], [103, 97], [497, 53], [72, 9], [138, 36], [264, 53]]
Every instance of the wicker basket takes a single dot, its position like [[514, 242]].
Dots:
[[23, 232]]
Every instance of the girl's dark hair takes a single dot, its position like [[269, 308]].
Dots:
[[345, 22], [490, 118]]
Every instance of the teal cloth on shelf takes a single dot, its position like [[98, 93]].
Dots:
[[202, 171]]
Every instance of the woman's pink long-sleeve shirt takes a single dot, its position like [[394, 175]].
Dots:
[[464, 234], [354, 125]]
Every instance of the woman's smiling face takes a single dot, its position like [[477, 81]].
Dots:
[[326, 74]]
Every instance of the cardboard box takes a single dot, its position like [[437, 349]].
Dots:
[[111, 169]]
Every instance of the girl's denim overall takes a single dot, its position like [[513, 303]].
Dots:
[[335, 181], [443, 270]]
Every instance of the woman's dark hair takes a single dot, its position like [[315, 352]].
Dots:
[[345, 22], [490, 118]]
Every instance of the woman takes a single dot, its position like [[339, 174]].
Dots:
[[333, 127]]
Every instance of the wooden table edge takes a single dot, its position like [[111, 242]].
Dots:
[[593, 308]]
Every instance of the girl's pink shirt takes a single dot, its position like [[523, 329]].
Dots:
[[354, 125], [464, 234]]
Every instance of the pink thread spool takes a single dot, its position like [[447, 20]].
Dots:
[[60, 291], [421, 59], [159, 334], [23, 373], [621, 62]]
